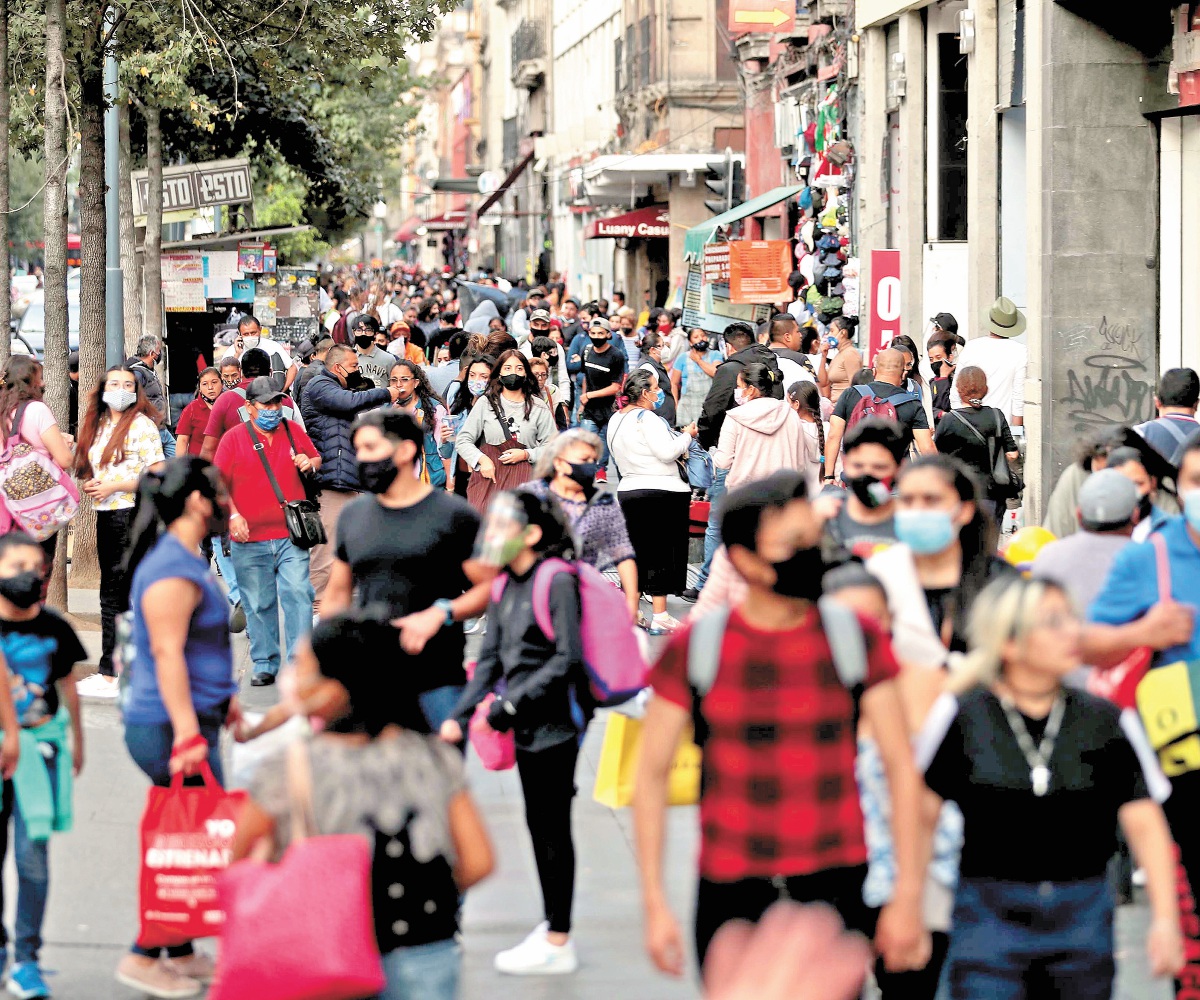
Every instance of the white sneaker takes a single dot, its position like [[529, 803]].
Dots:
[[535, 956], [97, 686]]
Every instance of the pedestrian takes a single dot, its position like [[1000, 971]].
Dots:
[[474, 374], [403, 341], [224, 414], [543, 346], [263, 461], [143, 364], [427, 408], [567, 468], [374, 363], [942, 352], [805, 400], [118, 441], [231, 372], [330, 407], [1091, 455], [626, 330], [761, 434], [314, 366], [1131, 464], [1176, 400], [182, 690], [194, 418], [250, 338], [692, 375], [784, 338], [777, 728], [538, 704], [373, 770], [1016, 749], [974, 434], [541, 372], [654, 496], [1002, 359], [406, 547], [502, 436], [40, 650], [654, 353], [859, 510], [847, 362], [603, 369], [445, 372]]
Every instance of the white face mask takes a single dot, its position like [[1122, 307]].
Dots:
[[739, 395], [119, 400]]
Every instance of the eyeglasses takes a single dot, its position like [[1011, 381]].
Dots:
[[542, 376], [400, 381]]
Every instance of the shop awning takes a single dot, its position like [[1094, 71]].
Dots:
[[697, 236], [653, 222], [408, 231], [496, 195], [456, 218]]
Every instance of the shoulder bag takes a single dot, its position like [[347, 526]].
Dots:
[[39, 496], [1003, 480], [303, 517]]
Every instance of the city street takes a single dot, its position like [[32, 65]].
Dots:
[[92, 911]]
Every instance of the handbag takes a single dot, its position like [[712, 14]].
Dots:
[[38, 495], [1003, 478], [301, 929], [617, 770], [496, 751], [303, 517]]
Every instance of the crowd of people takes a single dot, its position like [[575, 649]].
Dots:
[[886, 705]]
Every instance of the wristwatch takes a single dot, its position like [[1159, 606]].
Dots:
[[446, 607]]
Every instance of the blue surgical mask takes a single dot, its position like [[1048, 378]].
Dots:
[[658, 400], [268, 420], [1191, 509], [926, 532], [477, 386], [831, 341]]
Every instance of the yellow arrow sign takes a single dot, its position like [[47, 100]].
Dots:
[[774, 17]]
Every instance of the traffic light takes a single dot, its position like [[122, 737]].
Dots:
[[719, 180], [737, 184]]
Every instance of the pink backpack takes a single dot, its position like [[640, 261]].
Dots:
[[613, 660], [39, 496]]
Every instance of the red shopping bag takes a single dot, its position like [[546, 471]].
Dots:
[[187, 835], [496, 751]]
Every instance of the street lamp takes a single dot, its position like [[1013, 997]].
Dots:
[[380, 215]]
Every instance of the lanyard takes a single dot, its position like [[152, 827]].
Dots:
[[1038, 758]]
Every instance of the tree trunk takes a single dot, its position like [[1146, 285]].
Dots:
[[55, 229], [130, 264], [5, 101], [151, 258]]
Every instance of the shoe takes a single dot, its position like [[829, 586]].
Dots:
[[197, 966], [691, 595], [601, 477], [535, 956], [97, 686], [26, 981], [663, 624], [262, 680], [473, 625], [156, 980], [237, 619]]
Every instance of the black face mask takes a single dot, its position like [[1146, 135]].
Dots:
[[599, 342], [872, 493], [24, 590], [584, 473], [512, 382], [1145, 508], [801, 575], [365, 343], [700, 345], [377, 477]]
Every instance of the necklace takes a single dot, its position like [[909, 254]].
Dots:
[[1038, 758]]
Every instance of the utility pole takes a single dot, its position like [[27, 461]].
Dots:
[[114, 311]]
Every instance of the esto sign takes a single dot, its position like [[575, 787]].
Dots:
[[194, 186]]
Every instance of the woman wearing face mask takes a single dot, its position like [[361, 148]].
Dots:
[[560, 378], [972, 434], [691, 377], [118, 441], [418, 398], [654, 496], [462, 396], [194, 418], [567, 469], [847, 362], [503, 435], [1130, 463], [941, 353], [182, 690], [654, 355], [946, 556], [760, 435], [912, 371], [1020, 751], [805, 399]]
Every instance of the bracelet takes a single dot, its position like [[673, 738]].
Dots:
[[189, 744]]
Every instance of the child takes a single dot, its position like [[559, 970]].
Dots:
[[41, 650], [521, 529], [374, 773]]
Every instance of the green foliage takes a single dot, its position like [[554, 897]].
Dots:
[[281, 192], [26, 177]]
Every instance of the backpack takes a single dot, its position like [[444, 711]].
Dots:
[[871, 405], [39, 496], [842, 630], [612, 658]]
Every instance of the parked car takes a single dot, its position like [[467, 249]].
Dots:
[[32, 328]]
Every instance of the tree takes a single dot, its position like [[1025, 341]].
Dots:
[[5, 258], [131, 269]]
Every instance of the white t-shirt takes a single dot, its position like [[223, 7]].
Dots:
[[273, 348], [792, 372], [389, 313], [1003, 362]]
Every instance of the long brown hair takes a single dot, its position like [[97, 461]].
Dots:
[[97, 410], [17, 387], [531, 389]]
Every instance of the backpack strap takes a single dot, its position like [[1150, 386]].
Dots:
[[543, 577], [865, 391], [704, 650], [902, 398], [15, 430], [846, 642], [498, 587]]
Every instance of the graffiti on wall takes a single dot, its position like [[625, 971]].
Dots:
[[1112, 385]]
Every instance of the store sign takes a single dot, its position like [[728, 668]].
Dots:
[[772, 16], [643, 223], [715, 266], [758, 271], [707, 306], [193, 186], [1185, 57], [885, 301]]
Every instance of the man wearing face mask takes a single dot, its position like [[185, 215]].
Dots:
[[860, 512], [249, 332], [374, 362], [272, 573], [406, 546], [773, 653], [603, 369], [329, 409], [223, 416]]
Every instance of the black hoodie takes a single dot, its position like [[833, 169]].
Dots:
[[720, 394]]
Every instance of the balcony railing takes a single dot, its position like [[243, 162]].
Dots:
[[528, 41]]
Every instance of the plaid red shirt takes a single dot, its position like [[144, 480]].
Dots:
[[780, 797]]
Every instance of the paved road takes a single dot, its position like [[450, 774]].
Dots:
[[92, 917]]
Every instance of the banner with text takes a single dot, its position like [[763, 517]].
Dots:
[[885, 301], [758, 271]]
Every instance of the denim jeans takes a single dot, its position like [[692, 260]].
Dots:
[[712, 534], [33, 873], [436, 705], [602, 431], [149, 744], [1032, 940], [423, 972], [228, 573], [273, 575]]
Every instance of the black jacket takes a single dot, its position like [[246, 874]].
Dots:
[[720, 393], [151, 386], [329, 411], [667, 410]]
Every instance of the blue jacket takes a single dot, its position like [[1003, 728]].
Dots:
[[329, 412]]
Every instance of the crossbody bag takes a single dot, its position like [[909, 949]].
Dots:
[[303, 517]]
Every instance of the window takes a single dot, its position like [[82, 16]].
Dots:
[[952, 140]]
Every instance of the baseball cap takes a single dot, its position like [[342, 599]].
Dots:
[[265, 389], [1107, 499], [539, 316], [946, 321], [600, 323]]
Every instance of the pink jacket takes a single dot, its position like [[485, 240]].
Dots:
[[761, 437]]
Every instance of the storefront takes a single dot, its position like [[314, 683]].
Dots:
[[641, 251]]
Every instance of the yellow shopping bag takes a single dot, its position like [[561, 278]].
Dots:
[[619, 761], [1166, 701]]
